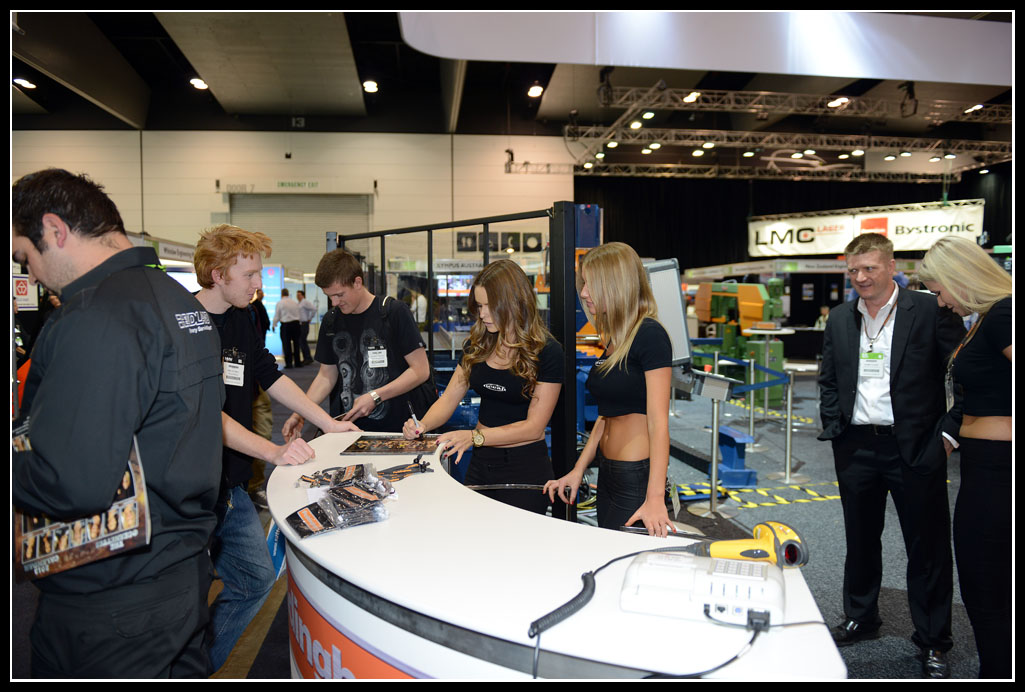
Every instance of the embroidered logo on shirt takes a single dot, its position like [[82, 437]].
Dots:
[[196, 321], [494, 387]]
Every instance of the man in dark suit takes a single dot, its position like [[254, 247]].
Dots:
[[884, 409]]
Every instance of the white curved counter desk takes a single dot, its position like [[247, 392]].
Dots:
[[448, 585]]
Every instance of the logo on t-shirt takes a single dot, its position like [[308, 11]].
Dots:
[[494, 387]]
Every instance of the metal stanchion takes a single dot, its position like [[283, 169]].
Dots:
[[709, 509], [787, 477], [754, 446]]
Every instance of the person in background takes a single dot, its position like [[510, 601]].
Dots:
[[307, 312], [882, 408], [820, 323], [967, 280], [287, 313], [259, 315], [631, 384], [516, 366]]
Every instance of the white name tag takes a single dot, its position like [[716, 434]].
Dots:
[[872, 365], [377, 358], [234, 373]]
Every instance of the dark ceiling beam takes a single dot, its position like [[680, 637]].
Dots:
[[69, 48], [453, 78]]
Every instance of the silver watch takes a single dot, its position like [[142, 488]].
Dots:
[[376, 397]]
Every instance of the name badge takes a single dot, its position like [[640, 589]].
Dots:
[[872, 365], [234, 367], [377, 358]]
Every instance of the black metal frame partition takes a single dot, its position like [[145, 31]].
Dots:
[[562, 290]]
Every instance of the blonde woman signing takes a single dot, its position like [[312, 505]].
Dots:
[[631, 384], [515, 366], [966, 279]]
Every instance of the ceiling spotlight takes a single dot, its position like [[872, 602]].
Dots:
[[905, 154], [612, 144], [934, 158], [655, 145], [838, 101], [370, 86], [844, 156], [858, 152], [24, 83], [976, 107], [708, 145], [748, 154], [648, 115], [535, 90], [645, 150], [948, 155], [588, 165], [692, 97], [890, 157], [797, 155], [698, 152], [635, 125], [984, 171], [198, 83], [600, 155], [809, 152]]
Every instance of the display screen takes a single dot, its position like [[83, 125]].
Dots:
[[454, 285]]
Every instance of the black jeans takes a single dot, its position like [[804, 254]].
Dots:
[[528, 464], [622, 489]]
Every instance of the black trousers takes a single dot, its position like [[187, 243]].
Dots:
[[526, 464], [982, 544], [152, 629], [304, 342], [868, 467], [291, 346], [622, 489]]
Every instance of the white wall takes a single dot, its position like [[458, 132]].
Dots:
[[166, 183]]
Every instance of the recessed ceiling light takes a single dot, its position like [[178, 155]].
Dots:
[[370, 86], [535, 90], [24, 83], [198, 83]]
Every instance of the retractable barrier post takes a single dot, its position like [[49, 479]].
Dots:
[[786, 476], [711, 508]]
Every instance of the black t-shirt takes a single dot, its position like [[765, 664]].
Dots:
[[623, 390], [981, 367], [501, 393], [242, 353], [370, 350]]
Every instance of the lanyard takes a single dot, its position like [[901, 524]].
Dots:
[[872, 339]]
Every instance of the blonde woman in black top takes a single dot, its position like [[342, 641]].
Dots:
[[967, 280], [631, 383], [515, 365]]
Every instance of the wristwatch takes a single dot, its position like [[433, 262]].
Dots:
[[478, 438], [376, 397]]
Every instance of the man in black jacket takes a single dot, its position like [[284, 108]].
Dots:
[[884, 409], [130, 355]]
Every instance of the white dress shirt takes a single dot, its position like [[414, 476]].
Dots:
[[872, 404]]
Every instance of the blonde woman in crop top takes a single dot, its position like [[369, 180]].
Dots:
[[516, 367], [631, 383], [967, 280]]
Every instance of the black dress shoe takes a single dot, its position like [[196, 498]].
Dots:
[[852, 632], [934, 663]]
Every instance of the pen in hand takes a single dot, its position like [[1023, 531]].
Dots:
[[416, 422]]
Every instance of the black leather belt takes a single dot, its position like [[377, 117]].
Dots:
[[872, 429]]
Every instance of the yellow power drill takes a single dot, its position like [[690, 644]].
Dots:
[[772, 541]]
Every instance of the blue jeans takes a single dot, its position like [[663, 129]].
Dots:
[[622, 489], [243, 563]]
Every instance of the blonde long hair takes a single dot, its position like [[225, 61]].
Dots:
[[513, 305], [619, 289], [967, 271]]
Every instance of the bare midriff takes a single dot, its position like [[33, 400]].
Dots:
[[625, 438], [986, 427]]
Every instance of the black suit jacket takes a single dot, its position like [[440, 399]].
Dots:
[[924, 336]]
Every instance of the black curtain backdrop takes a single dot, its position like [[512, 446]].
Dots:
[[704, 222]]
